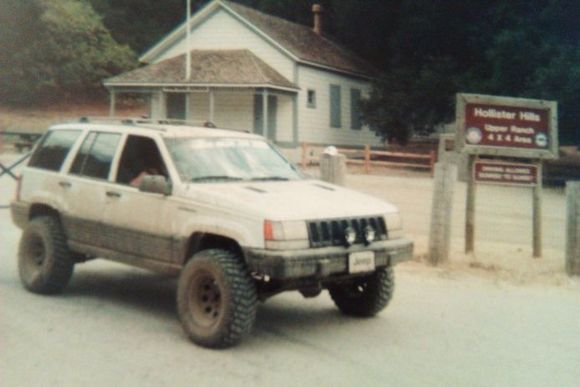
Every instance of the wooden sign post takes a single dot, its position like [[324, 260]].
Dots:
[[506, 140]]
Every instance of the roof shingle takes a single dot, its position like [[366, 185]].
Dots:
[[231, 67], [303, 42]]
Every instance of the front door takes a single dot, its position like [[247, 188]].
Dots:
[[137, 218], [176, 103]]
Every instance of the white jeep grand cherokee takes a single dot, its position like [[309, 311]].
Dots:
[[223, 210]]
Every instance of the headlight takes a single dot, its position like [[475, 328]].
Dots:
[[369, 234], [286, 235], [349, 236], [394, 225]]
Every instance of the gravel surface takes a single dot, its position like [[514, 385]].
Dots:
[[472, 322]]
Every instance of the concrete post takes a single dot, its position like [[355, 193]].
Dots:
[[573, 228], [333, 168], [440, 234]]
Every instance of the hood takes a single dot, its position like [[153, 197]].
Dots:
[[289, 200]]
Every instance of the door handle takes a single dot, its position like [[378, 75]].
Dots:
[[113, 194], [64, 184]]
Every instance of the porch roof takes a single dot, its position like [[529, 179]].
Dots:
[[225, 68]]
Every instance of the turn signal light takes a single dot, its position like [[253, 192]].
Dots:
[[268, 230]]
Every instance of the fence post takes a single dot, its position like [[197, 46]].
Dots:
[[572, 228], [333, 168], [432, 155], [304, 155], [367, 158], [440, 233]]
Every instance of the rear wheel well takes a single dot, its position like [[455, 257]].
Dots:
[[203, 241], [37, 210]]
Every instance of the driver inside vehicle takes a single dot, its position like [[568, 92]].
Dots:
[[149, 171]]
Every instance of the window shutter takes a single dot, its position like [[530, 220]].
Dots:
[[335, 106], [355, 110]]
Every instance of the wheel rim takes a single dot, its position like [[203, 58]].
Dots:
[[35, 253], [357, 288], [205, 299]]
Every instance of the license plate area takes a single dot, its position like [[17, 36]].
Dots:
[[361, 262]]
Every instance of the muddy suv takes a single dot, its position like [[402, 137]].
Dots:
[[222, 210]]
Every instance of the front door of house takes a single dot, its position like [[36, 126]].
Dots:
[[259, 115], [176, 105]]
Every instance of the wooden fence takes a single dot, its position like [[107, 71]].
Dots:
[[368, 158]]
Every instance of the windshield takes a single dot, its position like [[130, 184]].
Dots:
[[229, 159]]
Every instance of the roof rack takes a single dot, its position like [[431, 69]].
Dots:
[[148, 122], [142, 120]]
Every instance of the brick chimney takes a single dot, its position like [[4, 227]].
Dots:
[[317, 10]]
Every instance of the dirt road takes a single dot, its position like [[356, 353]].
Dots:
[[451, 326]]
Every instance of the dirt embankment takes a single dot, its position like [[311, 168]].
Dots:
[[37, 119]]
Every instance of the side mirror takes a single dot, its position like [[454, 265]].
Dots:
[[155, 184]]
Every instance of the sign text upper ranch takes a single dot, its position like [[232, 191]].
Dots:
[[504, 126]]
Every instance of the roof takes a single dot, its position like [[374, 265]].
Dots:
[[303, 42], [208, 67], [298, 41]]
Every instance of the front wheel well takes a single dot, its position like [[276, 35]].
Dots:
[[205, 241]]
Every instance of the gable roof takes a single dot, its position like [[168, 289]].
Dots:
[[296, 40], [208, 67]]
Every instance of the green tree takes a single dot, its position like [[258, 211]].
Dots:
[[142, 23], [55, 49]]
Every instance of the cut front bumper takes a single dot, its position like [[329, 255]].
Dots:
[[325, 261]]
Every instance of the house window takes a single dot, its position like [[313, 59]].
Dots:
[[355, 109], [335, 106], [311, 101]]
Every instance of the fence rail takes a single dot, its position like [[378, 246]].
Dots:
[[22, 140], [369, 158]]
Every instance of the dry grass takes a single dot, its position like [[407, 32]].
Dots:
[[37, 119]]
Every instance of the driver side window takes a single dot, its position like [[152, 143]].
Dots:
[[140, 157]]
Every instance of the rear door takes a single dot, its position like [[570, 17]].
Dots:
[[86, 187]]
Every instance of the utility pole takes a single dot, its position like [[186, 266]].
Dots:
[[187, 41]]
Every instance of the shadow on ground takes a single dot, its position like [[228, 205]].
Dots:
[[288, 317]]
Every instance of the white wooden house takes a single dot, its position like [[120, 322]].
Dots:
[[247, 65]]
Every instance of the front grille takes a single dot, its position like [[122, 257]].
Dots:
[[330, 232]]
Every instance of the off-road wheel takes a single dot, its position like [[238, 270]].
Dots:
[[216, 299], [364, 296], [45, 263]]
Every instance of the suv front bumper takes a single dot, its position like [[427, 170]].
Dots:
[[325, 261]]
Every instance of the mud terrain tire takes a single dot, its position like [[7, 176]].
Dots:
[[216, 299], [45, 263], [365, 296]]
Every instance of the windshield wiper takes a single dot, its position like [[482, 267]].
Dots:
[[267, 178], [215, 177]]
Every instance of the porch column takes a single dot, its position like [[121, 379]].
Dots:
[[211, 106], [112, 95], [265, 113]]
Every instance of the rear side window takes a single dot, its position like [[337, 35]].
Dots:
[[53, 149], [96, 155]]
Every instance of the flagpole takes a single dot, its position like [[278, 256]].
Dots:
[[187, 43]]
